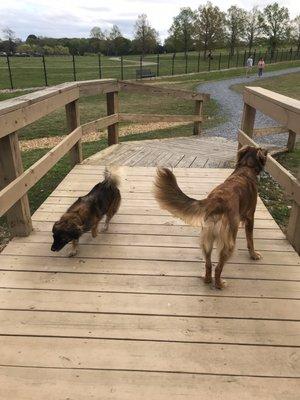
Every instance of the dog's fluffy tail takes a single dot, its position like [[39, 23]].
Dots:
[[112, 175], [170, 197]]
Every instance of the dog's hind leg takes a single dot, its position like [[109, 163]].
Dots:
[[111, 212], [249, 225], [227, 240], [207, 241]]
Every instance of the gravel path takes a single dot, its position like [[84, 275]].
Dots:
[[231, 105]]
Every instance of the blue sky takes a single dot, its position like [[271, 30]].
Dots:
[[75, 18]]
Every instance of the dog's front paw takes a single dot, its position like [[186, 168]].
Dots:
[[207, 279], [72, 253], [255, 255], [105, 228]]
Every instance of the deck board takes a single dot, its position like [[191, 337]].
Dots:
[[130, 317]]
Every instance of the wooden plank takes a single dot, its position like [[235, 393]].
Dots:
[[73, 121], [293, 229], [215, 306], [37, 383], [134, 87], [20, 186], [269, 130], [290, 184], [291, 140], [148, 284], [97, 86], [157, 356], [112, 102], [248, 119], [282, 109], [115, 238], [99, 124], [18, 214], [18, 118], [158, 118], [247, 270], [145, 327]]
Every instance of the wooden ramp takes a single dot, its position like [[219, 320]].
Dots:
[[129, 318]]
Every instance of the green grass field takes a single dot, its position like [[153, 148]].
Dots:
[[29, 72]]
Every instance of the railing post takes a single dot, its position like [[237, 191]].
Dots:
[[248, 120], [18, 217], [73, 121], [293, 229], [291, 140], [112, 101], [198, 111]]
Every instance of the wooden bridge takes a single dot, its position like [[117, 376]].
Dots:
[[129, 317]]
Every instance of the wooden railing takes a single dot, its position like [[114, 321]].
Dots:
[[286, 111], [22, 111]]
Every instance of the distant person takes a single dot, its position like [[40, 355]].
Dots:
[[261, 66], [249, 65]]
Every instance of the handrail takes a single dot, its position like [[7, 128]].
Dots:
[[18, 112], [286, 111]]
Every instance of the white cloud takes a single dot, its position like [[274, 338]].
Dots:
[[75, 18]]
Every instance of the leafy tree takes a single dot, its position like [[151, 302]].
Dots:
[[252, 27], [296, 31], [32, 39], [236, 25], [145, 37], [275, 24], [209, 27], [25, 48], [183, 28]]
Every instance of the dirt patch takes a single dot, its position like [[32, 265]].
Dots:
[[132, 129]]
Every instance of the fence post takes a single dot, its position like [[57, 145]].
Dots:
[[157, 65], [122, 68], [99, 65], [173, 62], [281, 56], [228, 65], [244, 60], [291, 53], [73, 121], [74, 68], [209, 61], [11, 166], [220, 61], [276, 56], [9, 71], [112, 102], [198, 62], [141, 67], [198, 111], [254, 55], [45, 71], [186, 63]]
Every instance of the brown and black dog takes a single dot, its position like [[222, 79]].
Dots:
[[220, 214], [86, 213]]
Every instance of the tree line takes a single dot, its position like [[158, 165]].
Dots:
[[204, 29]]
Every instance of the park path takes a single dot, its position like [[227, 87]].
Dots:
[[231, 105]]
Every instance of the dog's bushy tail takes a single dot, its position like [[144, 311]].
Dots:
[[112, 175], [170, 197]]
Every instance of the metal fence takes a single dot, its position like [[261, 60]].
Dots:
[[18, 72]]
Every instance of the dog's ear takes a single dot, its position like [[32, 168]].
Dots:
[[262, 155], [242, 152]]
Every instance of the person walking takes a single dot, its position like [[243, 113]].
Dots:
[[249, 65], [261, 66]]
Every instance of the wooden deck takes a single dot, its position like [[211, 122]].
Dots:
[[181, 152], [129, 318]]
